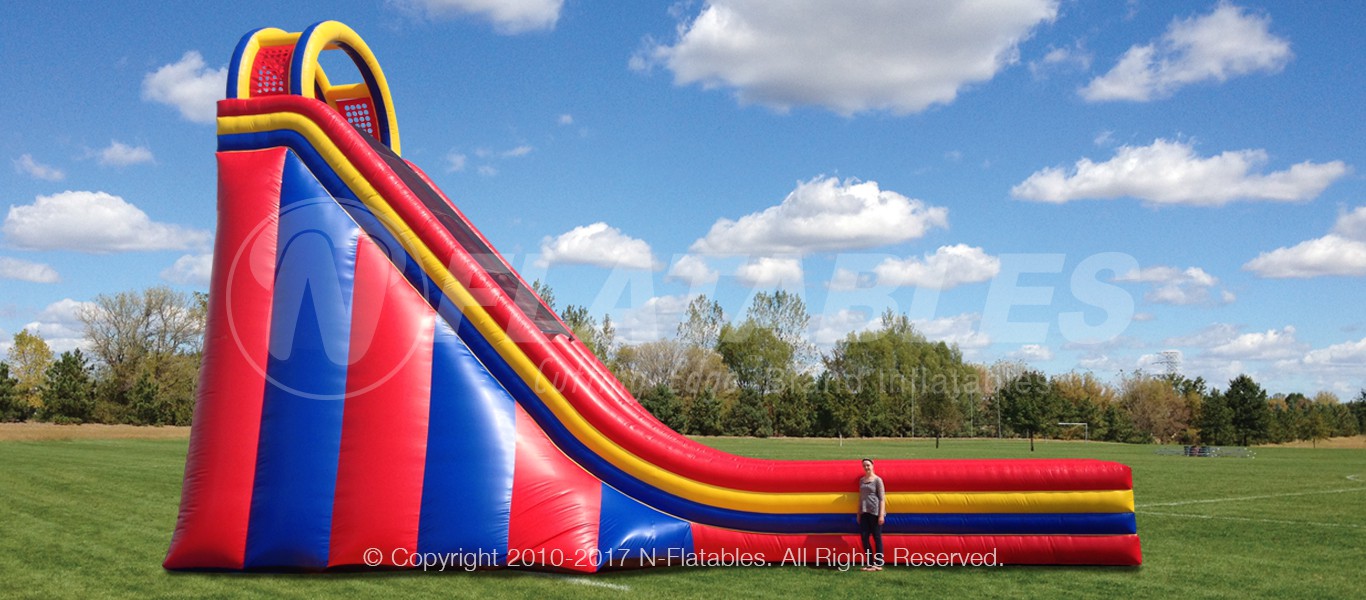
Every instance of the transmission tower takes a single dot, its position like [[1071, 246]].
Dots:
[[1171, 362]]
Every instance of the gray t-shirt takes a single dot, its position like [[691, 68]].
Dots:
[[871, 493]]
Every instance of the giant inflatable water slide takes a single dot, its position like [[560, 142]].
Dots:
[[380, 388]]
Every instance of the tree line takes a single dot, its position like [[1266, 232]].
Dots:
[[141, 365], [756, 376]]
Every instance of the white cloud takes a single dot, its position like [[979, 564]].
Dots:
[[827, 329], [190, 269], [1032, 353], [963, 330], [1171, 285], [1347, 356], [455, 162], [849, 57], [1229, 42], [22, 270], [508, 17], [596, 244], [486, 171], [517, 152], [119, 154], [566, 119], [94, 222], [1342, 252], [654, 320], [823, 215], [189, 86], [767, 271], [26, 165], [1169, 172], [1075, 57], [59, 325], [692, 270], [1271, 344], [1352, 225], [948, 267]]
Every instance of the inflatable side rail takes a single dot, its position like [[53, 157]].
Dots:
[[270, 62]]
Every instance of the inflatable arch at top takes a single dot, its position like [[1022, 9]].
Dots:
[[379, 387]]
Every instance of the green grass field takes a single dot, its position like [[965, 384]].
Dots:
[[93, 518]]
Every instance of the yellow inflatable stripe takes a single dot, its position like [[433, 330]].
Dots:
[[745, 500]]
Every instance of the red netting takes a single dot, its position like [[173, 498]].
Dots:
[[359, 112], [270, 73]]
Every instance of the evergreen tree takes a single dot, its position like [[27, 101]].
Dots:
[[68, 389], [13, 406], [704, 414], [1251, 413], [749, 417], [1216, 421], [664, 404]]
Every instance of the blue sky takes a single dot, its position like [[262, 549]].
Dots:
[[1079, 185]]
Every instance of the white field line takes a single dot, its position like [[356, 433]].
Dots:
[[1250, 519], [582, 581], [1241, 498]]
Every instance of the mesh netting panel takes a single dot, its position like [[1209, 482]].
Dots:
[[359, 113], [270, 74]]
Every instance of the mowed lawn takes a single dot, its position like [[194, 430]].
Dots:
[[92, 518]]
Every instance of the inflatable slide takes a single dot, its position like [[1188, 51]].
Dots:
[[380, 389]]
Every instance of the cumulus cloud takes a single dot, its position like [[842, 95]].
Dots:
[[517, 152], [1171, 285], [767, 271], [654, 320], [824, 215], [1169, 172], [848, 57], [1031, 353], [1270, 344], [190, 269], [1227, 43], [1342, 252], [59, 324], [947, 268], [597, 244], [27, 165], [1347, 357], [692, 270], [22, 270], [509, 17], [119, 154], [827, 329], [94, 222], [963, 330], [189, 86]]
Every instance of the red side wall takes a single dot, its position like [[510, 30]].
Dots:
[[555, 505], [378, 500], [215, 502]]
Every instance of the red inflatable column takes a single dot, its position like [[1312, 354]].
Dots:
[[215, 503]]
